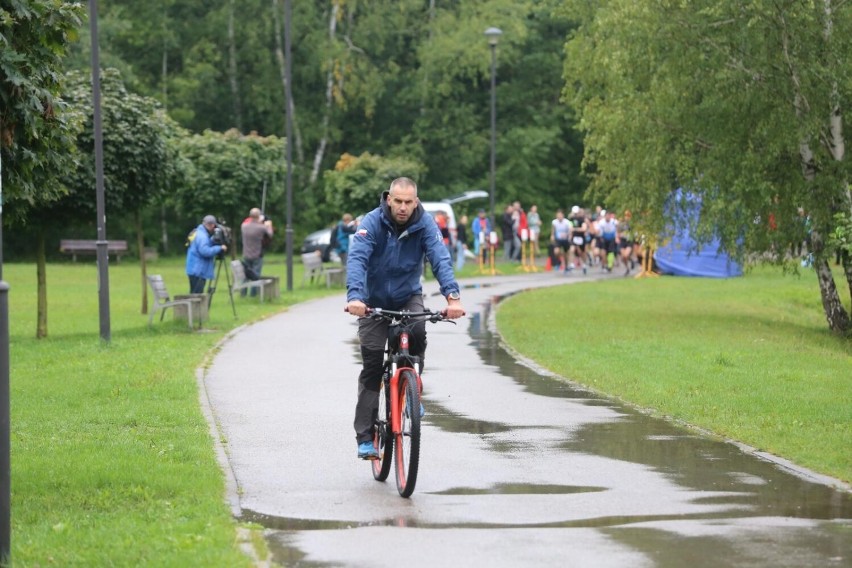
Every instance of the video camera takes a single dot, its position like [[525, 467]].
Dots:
[[221, 235]]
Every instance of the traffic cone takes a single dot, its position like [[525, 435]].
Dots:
[[548, 266]]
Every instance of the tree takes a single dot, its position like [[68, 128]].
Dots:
[[739, 103], [36, 134], [226, 175], [357, 183], [137, 165], [137, 161]]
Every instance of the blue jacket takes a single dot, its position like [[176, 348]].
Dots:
[[201, 254], [385, 261], [343, 232]]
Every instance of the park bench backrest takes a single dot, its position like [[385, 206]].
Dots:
[[312, 262], [314, 269], [239, 271], [241, 282], [159, 287]]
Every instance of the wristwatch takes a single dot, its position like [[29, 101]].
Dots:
[[454, 296]]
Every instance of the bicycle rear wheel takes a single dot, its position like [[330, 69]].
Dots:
[[382, 436], [407, 450]]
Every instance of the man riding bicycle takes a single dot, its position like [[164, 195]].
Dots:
[[383, 270]]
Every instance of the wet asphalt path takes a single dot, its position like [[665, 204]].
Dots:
[[517, 468]]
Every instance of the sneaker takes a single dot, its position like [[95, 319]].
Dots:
[[366, 451]]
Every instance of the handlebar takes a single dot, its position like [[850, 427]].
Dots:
[[428, 315]]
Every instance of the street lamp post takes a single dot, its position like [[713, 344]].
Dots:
[[493, 35], [101, 243], [5, 423], [288, 95]]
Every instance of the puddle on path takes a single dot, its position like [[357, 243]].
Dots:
[[691, 460]]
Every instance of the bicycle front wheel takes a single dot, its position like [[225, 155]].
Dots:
[[407, 446], [382, 436]]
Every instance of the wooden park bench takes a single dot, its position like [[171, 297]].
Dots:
[[192, 305], [241, 282], [315, 269], [76, 246]]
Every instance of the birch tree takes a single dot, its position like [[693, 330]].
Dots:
[[278, 17], [739, 103]]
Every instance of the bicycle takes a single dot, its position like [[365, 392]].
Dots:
[[396, 433]]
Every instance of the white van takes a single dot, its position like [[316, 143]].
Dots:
[[434, 207], [446, 205]]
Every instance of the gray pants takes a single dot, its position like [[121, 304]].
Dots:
[[373, 335]]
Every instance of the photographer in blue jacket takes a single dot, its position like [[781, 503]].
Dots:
[[384, 270], [201, 254]]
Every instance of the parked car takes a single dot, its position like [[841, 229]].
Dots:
[[321, 241]]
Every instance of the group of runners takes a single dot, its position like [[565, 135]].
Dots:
[[580, 241]]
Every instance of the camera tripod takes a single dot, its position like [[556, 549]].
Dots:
[[229, 280]]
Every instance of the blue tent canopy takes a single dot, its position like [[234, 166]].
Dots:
[[679, 258], [681, 255]]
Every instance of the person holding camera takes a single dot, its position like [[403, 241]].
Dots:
[[255, 229], [201, 254]]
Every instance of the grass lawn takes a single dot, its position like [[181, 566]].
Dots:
[[747, 358], [112, 460]]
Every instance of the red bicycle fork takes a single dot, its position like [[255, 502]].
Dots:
[[396, 413]]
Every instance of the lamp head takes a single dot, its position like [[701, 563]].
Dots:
[[493, 35]]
